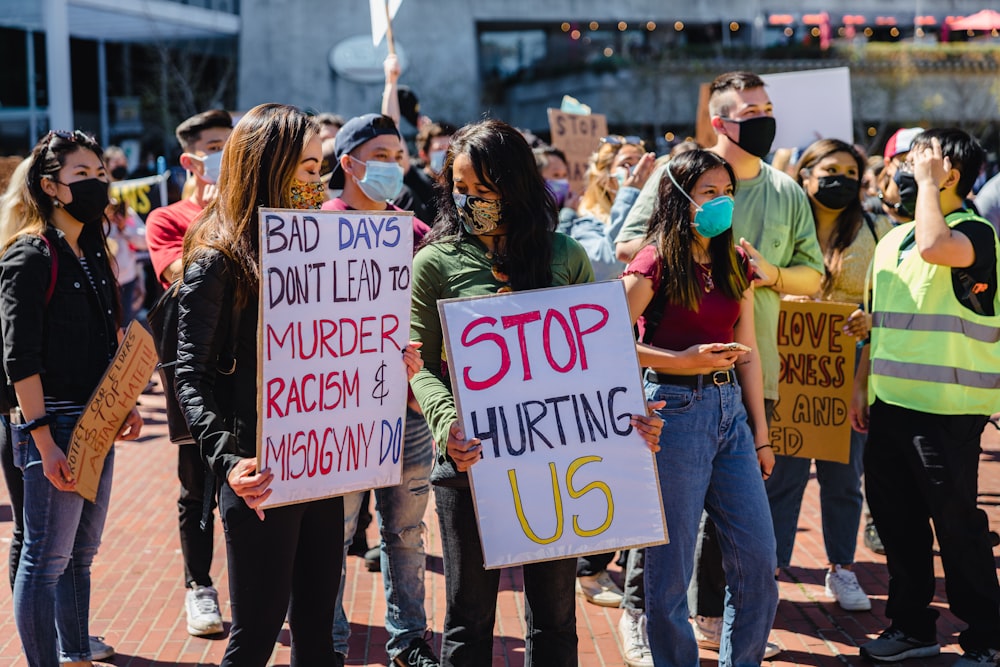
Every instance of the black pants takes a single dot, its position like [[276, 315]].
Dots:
[[197, 484], [920, 468], [289, 562], [588, 566], [471, 595], [15, 489]]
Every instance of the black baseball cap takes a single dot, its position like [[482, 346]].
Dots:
[[360, 130]]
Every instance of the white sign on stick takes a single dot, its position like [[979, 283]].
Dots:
[[334, 317], [548, 381], [810, 105]]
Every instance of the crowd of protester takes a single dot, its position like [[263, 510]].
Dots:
[[707, 241]]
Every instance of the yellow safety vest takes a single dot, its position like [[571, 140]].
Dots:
[[929, 352]]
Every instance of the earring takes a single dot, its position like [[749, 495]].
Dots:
[[56, 203]]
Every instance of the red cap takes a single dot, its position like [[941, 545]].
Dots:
[[901, 141]]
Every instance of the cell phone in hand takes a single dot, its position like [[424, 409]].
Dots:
[[735, 347]]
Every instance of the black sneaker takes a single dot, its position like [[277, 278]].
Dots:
[[987, 657], [417, 654], [894, 645]]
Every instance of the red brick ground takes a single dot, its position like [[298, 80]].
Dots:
[[138, 597]]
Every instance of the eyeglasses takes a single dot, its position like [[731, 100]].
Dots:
[[66, 135], [623, 140]]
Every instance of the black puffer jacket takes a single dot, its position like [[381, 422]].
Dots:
[[220, 408]]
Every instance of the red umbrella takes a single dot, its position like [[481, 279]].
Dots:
[[984, 20]]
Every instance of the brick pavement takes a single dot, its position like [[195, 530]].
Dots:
[[138, 596]]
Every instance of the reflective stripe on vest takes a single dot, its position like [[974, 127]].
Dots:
[[949, 323], [932, 373]]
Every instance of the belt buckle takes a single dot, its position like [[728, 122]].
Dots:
[[720, 378]]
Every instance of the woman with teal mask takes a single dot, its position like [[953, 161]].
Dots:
[[690, 291]]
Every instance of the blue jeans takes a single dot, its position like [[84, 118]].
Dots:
[[62, 532], [401, 524], [840, 501], [707, 461]]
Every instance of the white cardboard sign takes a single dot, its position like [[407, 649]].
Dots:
[[334, 317], [810, 105], [548, 380]]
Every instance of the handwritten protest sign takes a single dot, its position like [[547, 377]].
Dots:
[[334, 317], [142, 194], [578, 137], [548, 381], [817, 372], [115, 396]]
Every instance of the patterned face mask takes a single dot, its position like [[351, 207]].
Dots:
[[307, 195], [478, 215]]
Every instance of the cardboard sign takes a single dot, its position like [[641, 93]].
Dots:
[[811, 105], [115, 396], [142, 194], [334, 317], [817, 375], [578, 137], [548, 381]]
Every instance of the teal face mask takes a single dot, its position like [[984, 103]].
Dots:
[[711, 218]]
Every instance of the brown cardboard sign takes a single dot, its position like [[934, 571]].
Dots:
[[817, 374], [114, 398], [578, 137]]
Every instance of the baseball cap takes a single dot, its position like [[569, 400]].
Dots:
[[359, 130], [901, 141]]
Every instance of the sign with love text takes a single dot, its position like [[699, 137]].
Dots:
[[548, 381], [334, 318], [817, 373]]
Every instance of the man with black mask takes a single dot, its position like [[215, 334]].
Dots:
[[897, 189], [773, 221]]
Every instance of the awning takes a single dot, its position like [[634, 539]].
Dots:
[[126, 20]]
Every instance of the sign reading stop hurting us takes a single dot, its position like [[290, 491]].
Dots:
[[548, 381]]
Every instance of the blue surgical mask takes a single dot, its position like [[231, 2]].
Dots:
[[382, 181], [711, 218], [211, 166], [436, 160]]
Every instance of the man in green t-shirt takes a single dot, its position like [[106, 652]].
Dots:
[[774, 223]]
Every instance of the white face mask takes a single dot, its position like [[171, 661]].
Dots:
[[211, 166]]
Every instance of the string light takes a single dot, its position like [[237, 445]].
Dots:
[[651, 26], [872, 131], [608, 52], [814, 32], [575, 34], [622, 26], [679, 25], [734, 26], [669, 136], [594, 25], [869, 32], [789, 32], [565, 27], [894, 32]]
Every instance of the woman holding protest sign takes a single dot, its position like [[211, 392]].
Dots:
[[287, 559], [494, 235], [690, 291], [830, 171], [59, 317]]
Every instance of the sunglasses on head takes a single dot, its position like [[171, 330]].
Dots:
[[622, 140]]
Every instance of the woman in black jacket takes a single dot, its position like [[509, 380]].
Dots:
[[59, 316], [289, 559]]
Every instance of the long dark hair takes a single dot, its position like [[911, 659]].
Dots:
[[503, 161], [258, 164], [670, 231], [849, 220]]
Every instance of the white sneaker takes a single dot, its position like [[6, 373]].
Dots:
[[635, 641], [842, 585], [770, 650], [600, 589], [708, 631], [202, 606], [99, 650]]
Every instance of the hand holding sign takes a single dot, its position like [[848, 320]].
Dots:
[[251, 485], [463, 452]]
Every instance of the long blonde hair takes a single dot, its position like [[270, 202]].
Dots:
[[599, 194], [12, 203]]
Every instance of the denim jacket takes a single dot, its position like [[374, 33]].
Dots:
[[71, 340]]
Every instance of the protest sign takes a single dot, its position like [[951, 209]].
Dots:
[[115, 396], [811, 105], [142, 194], [334, 317], [548, 381], [578, 137], [817, 374]]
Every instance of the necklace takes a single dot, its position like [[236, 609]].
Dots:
[[498, 266], [706, 273]]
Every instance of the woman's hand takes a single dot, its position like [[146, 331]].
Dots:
[[857, 413], [640, 172], [412, 359], [765, 456], [765, 273], [711, 355], [250, 485], [650, 425], [463, 452], [859, 323], [54, 463], [132, 427]]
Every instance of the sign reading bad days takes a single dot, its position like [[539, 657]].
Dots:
[[817, 375], [334, 318], [548, 381]]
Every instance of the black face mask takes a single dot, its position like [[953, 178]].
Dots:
[[119, 173], [836, 192], [90, 198], [907, 185], [756, 134]]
